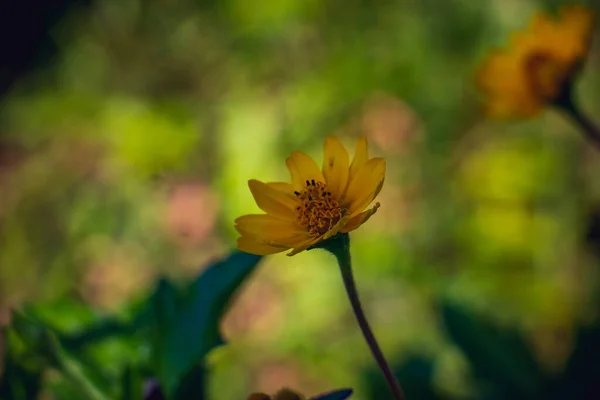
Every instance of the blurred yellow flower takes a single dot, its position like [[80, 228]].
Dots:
[[539, 64], [317, 205], [283, 394]]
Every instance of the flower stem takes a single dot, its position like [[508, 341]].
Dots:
[[74, 372], [588, 127], [339, 246]]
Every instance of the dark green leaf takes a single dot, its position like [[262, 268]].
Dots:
[[415, 376], [188, 330], [101, 330], [37, 342], [580, 377], [500, 359], [20, 381], [132, 385], [193, 385], [78, 325], [163, 304]]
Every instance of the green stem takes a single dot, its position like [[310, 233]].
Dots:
[[74, 372], [339, 246], [587, 126]]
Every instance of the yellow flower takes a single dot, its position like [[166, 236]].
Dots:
[[316, 205], [283, 394], [539, 64]]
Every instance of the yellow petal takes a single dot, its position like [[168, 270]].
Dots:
[[520, 81], [505, 108], [578, 20], [502, 79], [303, 246], [336, 228], [360, 219], [364, 186], [272, 201], [270, 230], [283, 187], [253, 246], [303, 168], [314, 240], [361, 155], [336, 164], [495, 71]]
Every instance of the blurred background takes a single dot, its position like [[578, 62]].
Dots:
[[129, 129]]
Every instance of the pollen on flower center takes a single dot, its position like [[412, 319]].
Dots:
[[318, 211]]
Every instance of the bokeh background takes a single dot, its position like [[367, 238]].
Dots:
[[128, 137]]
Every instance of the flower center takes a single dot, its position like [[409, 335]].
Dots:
[[547, 75], [318, 211]]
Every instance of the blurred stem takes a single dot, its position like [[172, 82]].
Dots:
[[587, 126], [74, 373], [339, 246]]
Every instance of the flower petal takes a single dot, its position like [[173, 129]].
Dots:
[[364, 186], [314, 240], [303, 246], [303, 168], [360, 219], [270, 230], [336, 228], [254, 246], [336, 164], [272, 201], [577, 21], [503, 81], [283, 187], [361, 155]]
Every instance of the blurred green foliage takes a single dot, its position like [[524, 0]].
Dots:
[[177, 327], [129, 161], [503, 364]]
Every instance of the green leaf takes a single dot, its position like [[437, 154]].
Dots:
[[163, 305], [500, 359], [187, 329], [193, 385], [35, 341], [132, 385], [415, 376], [138, 319], [340, 394], [580, 377], [20, 381], [103, 329]]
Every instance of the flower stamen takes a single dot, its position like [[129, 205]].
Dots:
[[318, 211]]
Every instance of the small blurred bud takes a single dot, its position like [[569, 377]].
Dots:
[[283, 394], [259, 396], [152, 390], [288, 394]]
